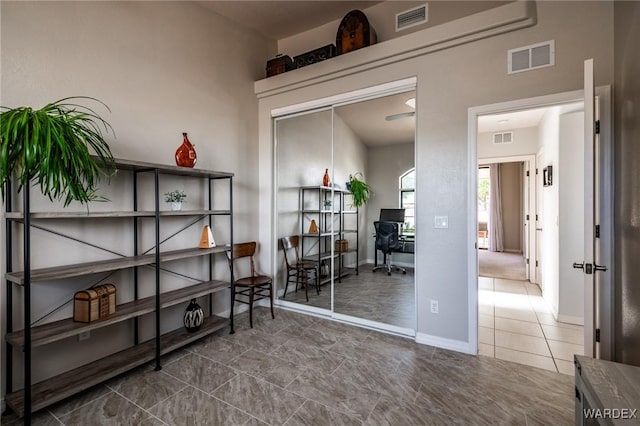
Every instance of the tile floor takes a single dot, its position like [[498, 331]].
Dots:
[[304, 370], [372, 296], [516, 325]]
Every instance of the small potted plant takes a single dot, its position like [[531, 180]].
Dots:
[[360, 191], [176, 198]]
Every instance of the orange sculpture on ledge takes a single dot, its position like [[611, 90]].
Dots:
[[186, 153]]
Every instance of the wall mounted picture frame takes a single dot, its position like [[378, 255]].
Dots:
[[547, 176]]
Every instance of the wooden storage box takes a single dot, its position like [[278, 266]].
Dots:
[[279, 65], [94, 303], [342, 245]]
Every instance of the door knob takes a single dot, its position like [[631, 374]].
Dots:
[[577, 265]]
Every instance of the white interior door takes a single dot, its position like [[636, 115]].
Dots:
[[538, 219], [525, 218]]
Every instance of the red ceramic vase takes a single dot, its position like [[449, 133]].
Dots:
[[186, 153]]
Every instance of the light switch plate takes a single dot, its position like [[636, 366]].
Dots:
[[441, 222]]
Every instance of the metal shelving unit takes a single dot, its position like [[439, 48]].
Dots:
[[321, 247], [39, 395]]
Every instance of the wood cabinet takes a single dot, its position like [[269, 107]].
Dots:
[[337, 222], [20, 342]]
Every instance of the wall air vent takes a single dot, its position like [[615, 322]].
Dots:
[[531, 57], [412, 17], [502, 138]]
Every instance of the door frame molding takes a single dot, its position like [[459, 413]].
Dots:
[[606, 223]]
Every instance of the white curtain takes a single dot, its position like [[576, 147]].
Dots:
[[496, 241]]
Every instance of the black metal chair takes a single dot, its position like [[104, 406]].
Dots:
[[388, 241]]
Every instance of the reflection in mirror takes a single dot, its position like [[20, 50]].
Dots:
[[303, 154], [324, 241], [384, 129]]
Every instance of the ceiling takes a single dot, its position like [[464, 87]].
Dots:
[[521, 119], [510, 120], [367, 120], [280, 19]]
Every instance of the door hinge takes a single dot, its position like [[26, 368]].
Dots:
[[597, 335], [527, 217], [597, 127], [527, 261], [536, 171], [597, 231], [527, 173], [536, 217], [536, 263]]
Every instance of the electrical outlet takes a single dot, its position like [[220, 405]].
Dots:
[[434, 306], [84, 336]]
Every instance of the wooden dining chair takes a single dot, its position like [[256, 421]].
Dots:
[[297, 268], [251, 288]]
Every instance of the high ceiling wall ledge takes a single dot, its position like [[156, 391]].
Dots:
[[503, 19]]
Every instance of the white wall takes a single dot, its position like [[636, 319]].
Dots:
[[525, 142], [381, 18], [450, 81], [570, 180], [561, 135], [386, 165], [163, 68], [549, 138]]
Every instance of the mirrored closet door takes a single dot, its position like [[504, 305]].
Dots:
[[351, 261]]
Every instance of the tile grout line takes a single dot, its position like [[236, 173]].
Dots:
[[140, 407]]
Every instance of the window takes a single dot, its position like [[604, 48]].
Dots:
[[407, 200]]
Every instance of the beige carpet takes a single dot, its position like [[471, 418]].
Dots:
[[510, 266]]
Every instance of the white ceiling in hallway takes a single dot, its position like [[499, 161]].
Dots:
[[520, 119]]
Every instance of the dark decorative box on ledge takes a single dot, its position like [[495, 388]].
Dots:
[[280, 64], [316, 55]]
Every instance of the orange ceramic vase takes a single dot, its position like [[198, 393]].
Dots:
[[325, 178], [186, 153]]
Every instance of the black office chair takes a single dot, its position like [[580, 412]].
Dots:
[[387, 241]]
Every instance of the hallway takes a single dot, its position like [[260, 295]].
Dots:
[[516, 325]]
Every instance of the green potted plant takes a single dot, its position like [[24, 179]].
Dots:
[[50, 147], [360, 191], [176, 198]]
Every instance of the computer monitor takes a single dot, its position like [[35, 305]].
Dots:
[[392, 215]]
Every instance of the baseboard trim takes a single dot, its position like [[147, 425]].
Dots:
[[444, 343], [570, 319]]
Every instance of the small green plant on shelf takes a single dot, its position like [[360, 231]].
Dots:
[[360, 190], [176, 196]]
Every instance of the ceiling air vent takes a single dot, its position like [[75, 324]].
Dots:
[[531, 57], [502, 138], [412, 17]]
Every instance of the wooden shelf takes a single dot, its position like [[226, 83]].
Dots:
[[326, 188], [86, 268], [71, 382], [141, 166], [19, 216], [58, 330]]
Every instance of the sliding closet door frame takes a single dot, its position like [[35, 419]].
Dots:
[[317, 105]]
